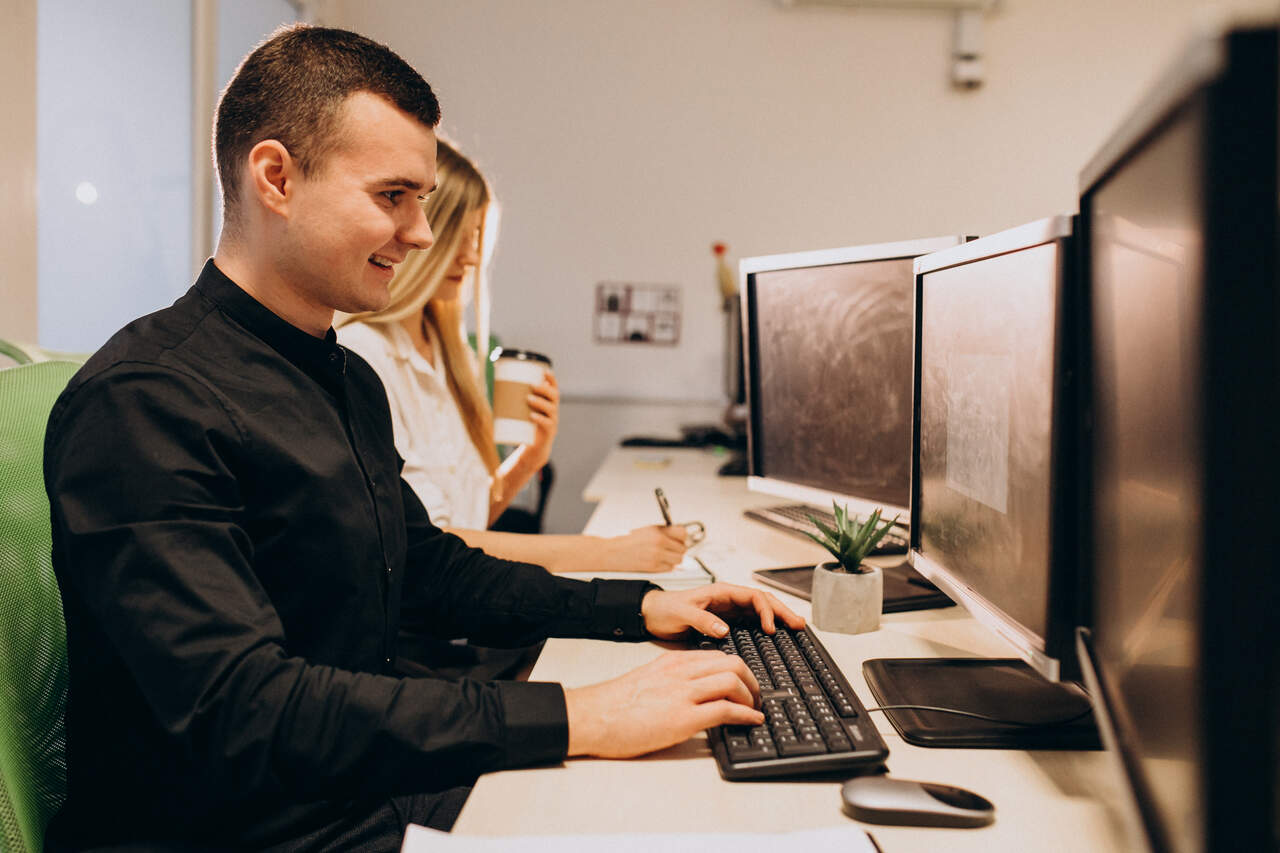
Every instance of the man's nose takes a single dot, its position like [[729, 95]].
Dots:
[[417, 232]]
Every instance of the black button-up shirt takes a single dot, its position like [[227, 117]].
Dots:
[[234, 546]]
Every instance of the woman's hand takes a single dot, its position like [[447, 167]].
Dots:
[[646, 549], [544, 411]]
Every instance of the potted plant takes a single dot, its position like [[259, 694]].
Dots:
[[848, 594]]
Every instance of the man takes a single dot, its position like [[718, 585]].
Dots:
[[234, 544]]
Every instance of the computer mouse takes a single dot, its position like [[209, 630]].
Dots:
[[905, 802]]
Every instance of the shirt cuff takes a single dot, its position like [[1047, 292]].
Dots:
[[617, 610], [537, 722]]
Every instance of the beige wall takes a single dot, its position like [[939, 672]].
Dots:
[[18, 319], [624, 136]]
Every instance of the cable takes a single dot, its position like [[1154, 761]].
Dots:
[[1046, 724]]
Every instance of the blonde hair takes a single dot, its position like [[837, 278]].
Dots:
[[460, 190]]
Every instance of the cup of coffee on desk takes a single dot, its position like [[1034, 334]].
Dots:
[[515, 371]]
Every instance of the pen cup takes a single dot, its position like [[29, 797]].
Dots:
[[515, 371]]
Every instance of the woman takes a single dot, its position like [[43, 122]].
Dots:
[[441, 417]]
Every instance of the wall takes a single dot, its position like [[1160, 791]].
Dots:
[[113, 97], [18, 277], [624, 137]]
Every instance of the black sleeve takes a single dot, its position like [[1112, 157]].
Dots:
[[178, 645], [458, 591]]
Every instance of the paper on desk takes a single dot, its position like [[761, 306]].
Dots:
[[840, 839], [688, 573]]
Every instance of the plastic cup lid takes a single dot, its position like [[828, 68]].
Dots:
[[521, 354]]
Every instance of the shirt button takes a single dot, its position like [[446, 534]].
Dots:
[[618, 632], [388, 660]]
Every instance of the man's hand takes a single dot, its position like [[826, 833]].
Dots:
[[662, 703], [646, 549], [670, 615]]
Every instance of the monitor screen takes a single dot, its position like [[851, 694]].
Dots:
[[1145, 264], [829, 349], [989, 376], [833, 354]]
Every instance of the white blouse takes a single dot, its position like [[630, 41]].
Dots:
[[440, 463]]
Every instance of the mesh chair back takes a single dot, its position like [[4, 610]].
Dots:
[[33, 643]]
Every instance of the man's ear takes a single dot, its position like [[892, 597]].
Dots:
[[272, 172]]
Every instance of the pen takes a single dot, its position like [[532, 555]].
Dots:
[[662, 506]]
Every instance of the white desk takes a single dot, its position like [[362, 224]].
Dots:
[[1045, 801]]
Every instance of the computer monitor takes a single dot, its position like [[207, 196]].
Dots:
[[993, 505], [828, 363], [1179, 219]]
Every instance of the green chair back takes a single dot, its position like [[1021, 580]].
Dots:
[[11, 354], [33, 642]]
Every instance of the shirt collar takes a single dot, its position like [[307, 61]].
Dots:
[[320, 358]]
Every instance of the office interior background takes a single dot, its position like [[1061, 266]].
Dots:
[[623, 138]]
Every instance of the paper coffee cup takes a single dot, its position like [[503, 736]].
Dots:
[[514, 372]]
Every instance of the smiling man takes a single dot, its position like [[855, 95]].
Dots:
[[234, 543]]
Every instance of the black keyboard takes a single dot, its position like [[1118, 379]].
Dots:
[[794, 518], [814, 722]]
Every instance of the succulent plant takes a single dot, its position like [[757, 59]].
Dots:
[[850, 541]]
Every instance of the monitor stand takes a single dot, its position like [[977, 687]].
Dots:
[[1004, 688]]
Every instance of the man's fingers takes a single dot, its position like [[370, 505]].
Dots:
[[705, 622], [722, 712], [765, 605], [723, 685]]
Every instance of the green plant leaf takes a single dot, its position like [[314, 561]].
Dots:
[[820, 542], [859, 549], [831, 535], [880, 534]]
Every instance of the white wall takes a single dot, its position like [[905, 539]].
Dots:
[[625, 136], [113, 98]]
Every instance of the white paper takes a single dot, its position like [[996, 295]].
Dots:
[[688, 573], [841, 839]]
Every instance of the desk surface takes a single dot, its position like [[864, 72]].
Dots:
[[1045, 801]]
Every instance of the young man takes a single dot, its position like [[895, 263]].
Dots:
[[235, 546]]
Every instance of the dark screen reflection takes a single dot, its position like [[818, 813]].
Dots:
[[833, 356], [986, 406], [1146, 280]]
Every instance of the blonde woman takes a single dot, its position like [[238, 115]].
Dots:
[[441, 417]]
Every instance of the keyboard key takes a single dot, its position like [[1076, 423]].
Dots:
[[801, 748], [751, 751]]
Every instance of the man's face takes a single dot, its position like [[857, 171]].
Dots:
[[360, 212]]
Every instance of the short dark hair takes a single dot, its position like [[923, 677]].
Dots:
[[292, 88]]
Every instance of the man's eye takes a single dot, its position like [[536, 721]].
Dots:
[[393, 196]]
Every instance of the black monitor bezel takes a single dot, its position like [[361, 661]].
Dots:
[[1052, 655], [1232, 78]]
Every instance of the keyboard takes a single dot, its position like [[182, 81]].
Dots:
[[793, 518], [814, 722]]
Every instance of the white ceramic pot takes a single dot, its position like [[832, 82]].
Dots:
[[847, 603]]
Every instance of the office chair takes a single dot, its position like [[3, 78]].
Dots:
[[12, 354], [33, 643], [516, 519]]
